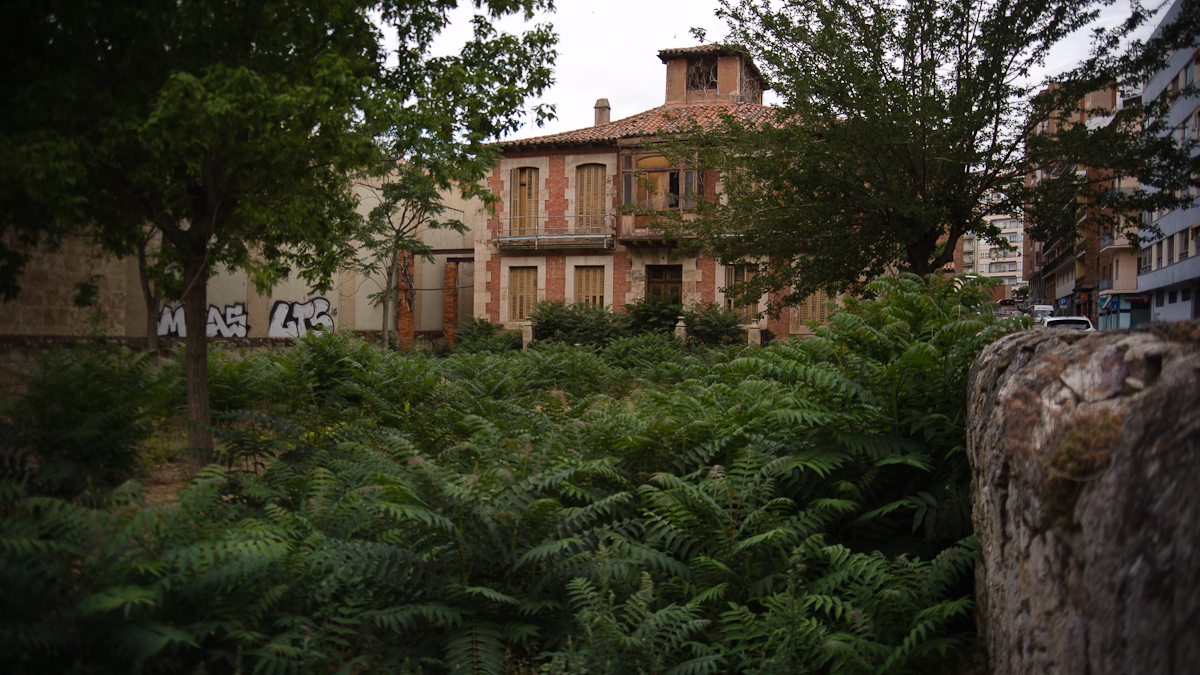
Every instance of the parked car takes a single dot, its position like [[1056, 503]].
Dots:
[[1042, 311], [1072, 322]]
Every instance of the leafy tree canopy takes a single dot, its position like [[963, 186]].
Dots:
[[902, 125], [235, 128]]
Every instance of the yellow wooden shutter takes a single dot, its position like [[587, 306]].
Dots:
[[522, 287], [589, 197], [524, 199], [514, 201], [589, 285], [814, 309], [531, 204], [736, 275]]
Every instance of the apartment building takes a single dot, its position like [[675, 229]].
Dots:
[[1169, 273], [560, 232], [1092, 274], [990, 259]]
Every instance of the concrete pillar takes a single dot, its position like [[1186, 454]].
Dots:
[[450, 304], [526, 334], [753, 336], [681, 329]]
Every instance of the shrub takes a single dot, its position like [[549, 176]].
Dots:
[[653, 314], [575, 324], [480, 335], [643, 351], [796, 508], [709, 324], [80, 419]]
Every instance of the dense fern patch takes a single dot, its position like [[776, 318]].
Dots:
[[622, 508]]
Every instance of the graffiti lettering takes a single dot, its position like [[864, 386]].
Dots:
[[170, 322], [230, 323], [303, 318]]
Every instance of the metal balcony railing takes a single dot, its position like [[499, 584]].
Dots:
[[578, 231]]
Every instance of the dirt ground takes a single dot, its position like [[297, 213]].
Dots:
[[165, 481]]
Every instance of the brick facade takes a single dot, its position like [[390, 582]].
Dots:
[[629, 249], [405, 321], [450, 305]]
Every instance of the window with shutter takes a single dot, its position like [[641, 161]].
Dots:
[[746, 311], [589, 198], [665, 281], [813, 308], [522, 292], [524, 200], [589, 285]]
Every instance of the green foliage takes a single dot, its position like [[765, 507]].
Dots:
[[577, 323], [653, 314], [407, 197], [481, 335], [878, 99], [78, 423], [709, 324], [237, 131], [845, 612], [635, 508]]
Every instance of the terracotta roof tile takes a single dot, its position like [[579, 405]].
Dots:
[[669, 53], [660, 120]]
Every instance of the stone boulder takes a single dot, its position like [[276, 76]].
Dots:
[[1085, 449]]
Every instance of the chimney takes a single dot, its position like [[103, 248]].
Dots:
[[602, 111]]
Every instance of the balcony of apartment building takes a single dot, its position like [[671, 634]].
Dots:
[[575, 231], [1053, 255], [1111, 242], [1172, 260], [645, 229], [1123, 284]]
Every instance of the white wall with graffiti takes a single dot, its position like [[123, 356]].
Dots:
[[287, 319], [235, 308]]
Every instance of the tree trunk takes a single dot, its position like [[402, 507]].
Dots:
[[195, 314], [152, 299], [387, 295]]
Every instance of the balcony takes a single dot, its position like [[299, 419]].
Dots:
[[1108, 241], [532, 232], [1125, 284], [638, 229]]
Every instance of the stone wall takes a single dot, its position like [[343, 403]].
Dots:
[[45, 304], [1086, 498]]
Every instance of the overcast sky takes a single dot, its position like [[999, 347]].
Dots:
[[610, 50]]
